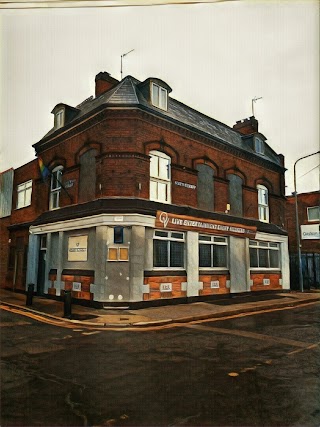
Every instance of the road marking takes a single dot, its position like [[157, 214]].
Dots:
[[248, 334], [19, 323], [310, 347], [62, 323], [91, 333]]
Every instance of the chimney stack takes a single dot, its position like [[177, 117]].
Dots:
[[104, 82], [247, 126]]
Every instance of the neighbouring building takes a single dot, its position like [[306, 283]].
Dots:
[[142, 198], [308, 221]]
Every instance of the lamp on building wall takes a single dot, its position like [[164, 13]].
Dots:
[[297, 220]]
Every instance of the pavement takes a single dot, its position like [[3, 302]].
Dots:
[[44, 308]]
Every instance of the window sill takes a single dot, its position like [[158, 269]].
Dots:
[[265, 270], [208, 271], [164, 272], [22, 207]]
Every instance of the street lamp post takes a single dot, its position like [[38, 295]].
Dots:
[[297, 219]]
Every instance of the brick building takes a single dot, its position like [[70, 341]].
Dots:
[[308, 220], [147, 199]]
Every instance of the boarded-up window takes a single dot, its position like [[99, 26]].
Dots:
[[205, 187], [235, 194], [6, 188], [87, 184]]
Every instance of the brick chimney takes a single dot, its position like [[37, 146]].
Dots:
[[247, 126], [104, 82]]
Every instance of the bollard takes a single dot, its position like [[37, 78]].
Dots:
[[67, 304], [30, 294]]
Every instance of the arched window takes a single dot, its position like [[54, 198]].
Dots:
[[205, 187], [160, 177], [263, 203], [55, 188], [87, 179], [235, 194]]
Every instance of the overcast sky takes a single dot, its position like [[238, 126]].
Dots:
[[216, 57]]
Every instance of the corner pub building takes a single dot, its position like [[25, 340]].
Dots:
[[144, 199]]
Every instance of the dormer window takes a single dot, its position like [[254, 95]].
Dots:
[[258, 146], [59, 119], [159, 96], [63, 114]]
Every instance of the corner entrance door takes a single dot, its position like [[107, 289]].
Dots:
[[42, 265]]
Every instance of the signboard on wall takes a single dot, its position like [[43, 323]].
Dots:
[[182, 222], [310, 232], [78, 248]]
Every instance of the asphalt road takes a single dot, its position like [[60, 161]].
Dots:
[[258, 370]]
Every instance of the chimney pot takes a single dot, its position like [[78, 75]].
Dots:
[[246, 126], [104, 82]]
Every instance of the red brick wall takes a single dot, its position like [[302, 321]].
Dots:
[[85, 281], [258, 281], [29, 171], [305, 200], [207, 279], [25, 173], [121, 132], [154, 285]]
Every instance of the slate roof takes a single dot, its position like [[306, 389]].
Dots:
[[127, 94]]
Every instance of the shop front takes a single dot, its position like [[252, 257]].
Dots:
[[116, 259]]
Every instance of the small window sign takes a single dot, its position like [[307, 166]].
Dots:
[[165, 287], [215, 284], [69, 183], [76, 286]]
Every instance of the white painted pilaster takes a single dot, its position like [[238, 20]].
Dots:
[[192, 246], [33, 259]]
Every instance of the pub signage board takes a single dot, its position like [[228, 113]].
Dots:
[[188, 223], [78, 248]]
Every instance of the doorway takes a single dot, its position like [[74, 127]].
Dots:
[[42, 265]]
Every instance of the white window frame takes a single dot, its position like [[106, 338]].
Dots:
[[24, 193], [59, 118], [170, 236], [55, 191], [161, 99], [207, 239], [263, 203], [313, 208], [159, 178], [259, 146], [269, 246]]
